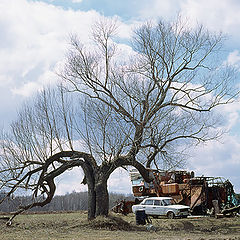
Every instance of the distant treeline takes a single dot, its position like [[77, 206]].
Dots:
[[69, 202]]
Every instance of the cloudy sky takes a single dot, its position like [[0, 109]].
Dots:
[[34, 38]]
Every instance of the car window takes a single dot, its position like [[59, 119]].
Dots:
[[162, 203], [157, 202], [166, 202], [148, 202], [137, 182]]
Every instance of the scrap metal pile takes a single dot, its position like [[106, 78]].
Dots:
[[204, 195]]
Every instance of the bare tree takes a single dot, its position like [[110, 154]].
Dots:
[[141, 110], [39, 148], [161, 98]]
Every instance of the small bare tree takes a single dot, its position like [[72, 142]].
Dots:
[[142, 110], [39, 148]]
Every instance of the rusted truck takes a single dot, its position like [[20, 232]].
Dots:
[[203, 194]]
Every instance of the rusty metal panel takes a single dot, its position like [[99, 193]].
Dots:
[[171, 188], [196, 196]]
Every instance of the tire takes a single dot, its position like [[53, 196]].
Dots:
[[170, 215]]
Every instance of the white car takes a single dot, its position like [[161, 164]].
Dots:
[[161, 206]]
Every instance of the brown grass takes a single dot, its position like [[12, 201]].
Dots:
[[76, 226]]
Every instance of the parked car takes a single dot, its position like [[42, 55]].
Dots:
[[161, 206]]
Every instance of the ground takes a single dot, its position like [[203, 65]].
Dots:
[[74, 225]]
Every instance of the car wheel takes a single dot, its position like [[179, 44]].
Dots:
[[170, 215]]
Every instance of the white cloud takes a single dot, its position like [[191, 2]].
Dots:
[[33, 41], [231, 114], [70, 181], [234, 58], [4, 80], [219, 160], [27, 89], [119, 182], [156, 9], [34, 38], [76, 1], [215, 15]]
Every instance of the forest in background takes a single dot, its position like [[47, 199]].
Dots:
[[74, 201]]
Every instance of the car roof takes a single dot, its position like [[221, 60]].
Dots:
[[158, 198]]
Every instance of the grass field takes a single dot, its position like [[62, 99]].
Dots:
[[75, 226]]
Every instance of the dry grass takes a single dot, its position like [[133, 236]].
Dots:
[[76, 226]]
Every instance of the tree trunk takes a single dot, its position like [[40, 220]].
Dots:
[[91, 203], [102, 198]]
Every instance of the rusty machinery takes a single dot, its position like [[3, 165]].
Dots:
[[199, 193]]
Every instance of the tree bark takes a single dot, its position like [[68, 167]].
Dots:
[[91, 203], [89, 179], [102, 198]]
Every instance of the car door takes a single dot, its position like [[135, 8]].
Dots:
[[157, 207], [148, 206]]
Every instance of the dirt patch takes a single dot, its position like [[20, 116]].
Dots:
[[174, 225], [111, 223], [188, 226], [3, 220], [204, 228]]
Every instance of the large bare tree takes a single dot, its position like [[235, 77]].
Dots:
[[143, 109]]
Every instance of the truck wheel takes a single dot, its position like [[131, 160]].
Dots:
[[170, 215]]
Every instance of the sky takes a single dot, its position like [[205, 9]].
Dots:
[[34, 36]]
